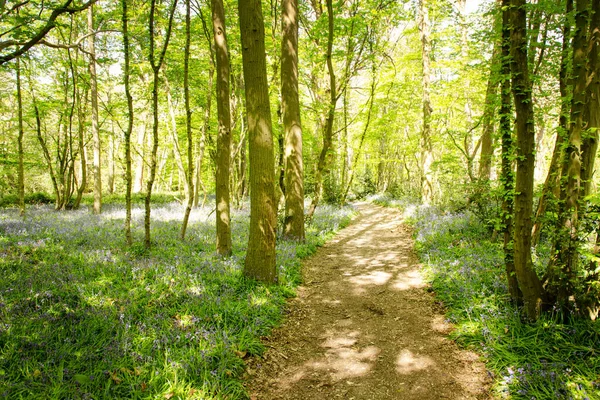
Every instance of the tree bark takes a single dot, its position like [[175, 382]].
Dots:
[[260, 257], [508, 151], [156, 64], [551, 189], [290, 104], [529, 282], [95, 126], [129, 128], [223, 156], [487, 134], [563, 267], [20, 168], [328, 131], [426, 147], [188, 122]]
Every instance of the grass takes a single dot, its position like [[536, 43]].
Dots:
[[548, 359], [83, 316]]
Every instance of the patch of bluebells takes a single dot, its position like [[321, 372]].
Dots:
[[549, 359], [76, 302]]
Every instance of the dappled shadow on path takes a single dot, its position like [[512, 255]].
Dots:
[[364, 327]]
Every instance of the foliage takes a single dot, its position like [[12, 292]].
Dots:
[[83, 316], [551, 358]]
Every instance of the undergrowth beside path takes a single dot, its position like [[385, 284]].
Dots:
[[545, 360], [84, 316]]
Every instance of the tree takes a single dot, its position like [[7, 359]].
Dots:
[[20, 167], [95, 126], [290, 104], [155, 64], [224, 131], [129, 127], [260, 257], [529, 282], [188, 121], [426, 147]]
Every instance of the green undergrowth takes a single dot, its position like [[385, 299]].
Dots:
[[82, 316], [549, 359]]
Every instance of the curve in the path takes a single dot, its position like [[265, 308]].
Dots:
[[364, 327]]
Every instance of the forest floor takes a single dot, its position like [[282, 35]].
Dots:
[[364, 326]]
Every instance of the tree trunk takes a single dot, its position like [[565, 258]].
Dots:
[[487, 134], [156, 65], [129, 128], [202, 141], [328, 131], [188, 122], [529, 282], [20, 168], [551, 189], [426, 147], [224, 131], [563, 267], [95, 127], [294, 169], [260, 256], [508, 153], [175, 136]]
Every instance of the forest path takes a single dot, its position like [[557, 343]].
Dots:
[[364, 327]]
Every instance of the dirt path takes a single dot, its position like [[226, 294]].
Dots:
[[364, 327]]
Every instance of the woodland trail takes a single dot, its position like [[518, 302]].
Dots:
[[364, 327]]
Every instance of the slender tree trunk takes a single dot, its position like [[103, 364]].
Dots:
[[138, 180], [589, 145], [188, 121], [551, 187], [487, 134], [529, 282], [328, 131], [224, 132], [156, 65], [95, 127], [81, 112], [294, 168], [426, 147], [175, 136], [20, 168], [260, 256], [129, 128], [508, 152]]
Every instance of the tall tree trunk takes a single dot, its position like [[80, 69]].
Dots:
[[529, 282], [188, 121], [202, 140], [224, 132], [140, 149], [426, 147], [551, 187], [20, 168], [563, 267], [95, 127], [129, 128], [328, 131], [508, 153], [487, 134], [260, 256], [175, 136], [156, 65], [589, 145], [294, 169]]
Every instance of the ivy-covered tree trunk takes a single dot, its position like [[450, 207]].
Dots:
[[260, 256], [563, 267], [507, 177], [551, 189], [426, 146], [294, 170], [487, 134], [224, 132], [529, 282]]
